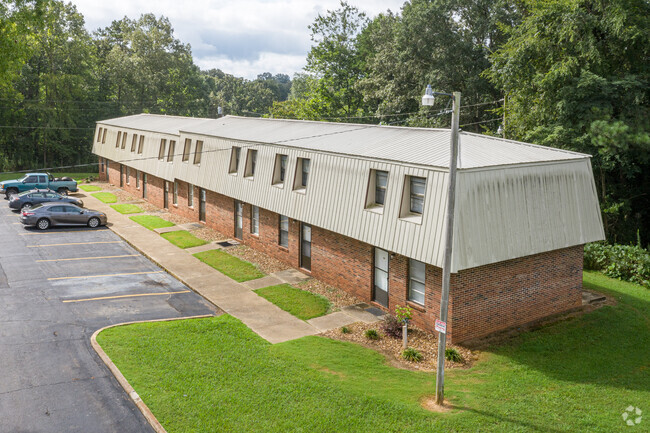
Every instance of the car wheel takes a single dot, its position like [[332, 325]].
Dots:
[[43, 224], [10, 192], [62, 191], [26, 206], [93, 222]]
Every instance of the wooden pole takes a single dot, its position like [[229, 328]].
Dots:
[[449, 240]]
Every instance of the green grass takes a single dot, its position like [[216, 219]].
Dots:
[[216, 375], [237, 269], [151, 222], [89, 188], [183, 239], [302, 304], [127, 208], [106, 197], [76, 176]]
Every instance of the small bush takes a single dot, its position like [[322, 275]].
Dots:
[[403, 314], [625, 262], [452, 354], [372, 334], [392, 327], [411, 354], [345, 330]]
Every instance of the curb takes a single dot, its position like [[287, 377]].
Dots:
[[144, 409]]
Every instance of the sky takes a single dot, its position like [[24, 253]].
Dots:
[[243, 38]]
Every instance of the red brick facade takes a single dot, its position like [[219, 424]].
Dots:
[[482, 300]]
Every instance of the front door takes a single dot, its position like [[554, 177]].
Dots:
[[144, 185], [380, 286], [121, 175], [239, 219], [166, 195], [202, 205], [107, 180], [305, 246]]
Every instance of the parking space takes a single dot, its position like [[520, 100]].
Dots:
[[56, 288]]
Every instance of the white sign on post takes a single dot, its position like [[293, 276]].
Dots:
[[441, 326]]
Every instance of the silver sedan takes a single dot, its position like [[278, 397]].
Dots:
[[47, 215]]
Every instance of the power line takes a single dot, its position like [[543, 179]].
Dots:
[[482, 103], [484, 121]]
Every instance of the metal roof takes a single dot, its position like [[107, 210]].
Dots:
[[422, 146]]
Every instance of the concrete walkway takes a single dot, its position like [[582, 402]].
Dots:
[[237, 299]]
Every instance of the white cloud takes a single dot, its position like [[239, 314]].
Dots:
[[249, 36]]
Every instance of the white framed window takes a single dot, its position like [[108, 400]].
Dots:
[[251, 161], [141, 144], [124, 140], [417, 280], [104, 136], [128, 175], [119, 137], [255, 220], [283, 239], [161, 151], [279, 170], [377, 186], [186, 149], [175, 196], [134, 141], [235, 153], [172, 149], [190, 195], [198, 152], [99, 135], [413, 198], [303, 167], [101, 165]]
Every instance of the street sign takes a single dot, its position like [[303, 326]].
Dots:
[[441, 326]]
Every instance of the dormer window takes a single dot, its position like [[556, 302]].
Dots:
[[99, 135], [413, 198], [170, 153], [104, 136], [303, 167], [134, 141], [251, 160], [186, 149], [119, 137], [280, 170], [141, 144], [161, 151], [377, 185], [124, 140], [198, 152], [234, 160]]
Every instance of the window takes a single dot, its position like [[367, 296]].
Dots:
[[186, 149], [42, 179], [377, 185], [161, 152], [255, 220], [128, 175], [175, 193], [172, 148], [99, 135], [234, 160], [124, 140], [141, 144], [119, 137], [190, 195], [137, 179], [280, 170], [417, 278], [251, 159], [134, 141], [417, 188], [198, 151], [284, 231], [104, 136], [31, 179], [302, 174]]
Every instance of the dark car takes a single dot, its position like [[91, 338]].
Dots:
[[28, 199], [47, 215]]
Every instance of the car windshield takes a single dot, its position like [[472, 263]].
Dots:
[[36, 206], [22, 194]]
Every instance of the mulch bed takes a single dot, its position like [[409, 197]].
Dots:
[[425, 343], [337, 297], [264, 263]]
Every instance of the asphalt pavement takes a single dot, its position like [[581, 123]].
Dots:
[[56, 288]]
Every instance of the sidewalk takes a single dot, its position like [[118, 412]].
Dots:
[[237, 299]]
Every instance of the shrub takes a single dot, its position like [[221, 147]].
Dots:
[[625, 262], [403, 314], [345, 330], [372, 334], [411, 354], [452, 354], [392, 327]]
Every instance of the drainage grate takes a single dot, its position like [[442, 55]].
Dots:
[[375, 311], [224, 244]]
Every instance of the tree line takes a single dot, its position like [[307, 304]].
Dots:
[[572, 74]]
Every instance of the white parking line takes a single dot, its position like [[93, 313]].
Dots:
[[74, 243], [87, 258], [105, 275]]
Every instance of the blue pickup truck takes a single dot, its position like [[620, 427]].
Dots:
[[38, 181]]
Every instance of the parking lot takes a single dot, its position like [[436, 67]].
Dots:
[[56, 288]]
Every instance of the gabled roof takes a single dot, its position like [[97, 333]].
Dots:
[[421, 146]]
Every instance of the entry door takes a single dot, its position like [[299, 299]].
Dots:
[[202, 205], [380, 292], [107, 171], [239, 219], [144, 185], [305, 247], [166, 195], [121, 175]]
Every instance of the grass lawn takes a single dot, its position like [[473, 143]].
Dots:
[[152, 222], [127, 208], [183, 239], [106, 197], [75, 176], [210, 375], [235, 268], [89, 188], [302, 304]]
